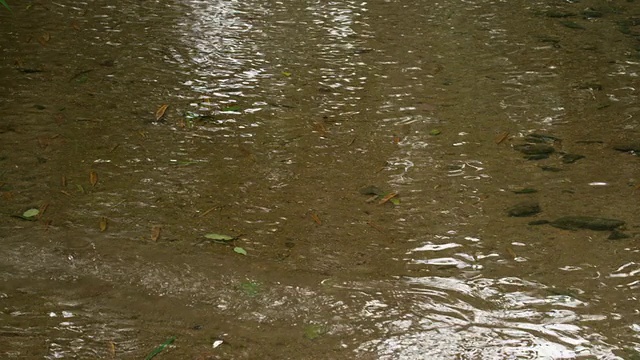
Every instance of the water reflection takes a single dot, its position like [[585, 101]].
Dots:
[[504, 318], [282, 111]]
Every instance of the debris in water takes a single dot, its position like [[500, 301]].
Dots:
[[155, 232], [103, 224], [160, 112], [159, 349], [93, 178]]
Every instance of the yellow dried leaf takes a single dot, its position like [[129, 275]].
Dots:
[[112, 349], [160, 112], [103, 224], [44, 39], [502, 137], [93, 178], [316, 218], [155, 232]]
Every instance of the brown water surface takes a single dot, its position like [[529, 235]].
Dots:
[[279, 113]]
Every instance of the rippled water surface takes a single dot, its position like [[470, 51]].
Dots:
[[365, 155]]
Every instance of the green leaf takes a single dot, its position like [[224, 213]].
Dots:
[[435, 132], [231, 108], [159, 349], [240, 250], [82, 78], [286, 73], [312, 332], [4, 3], [395, 201], [31, 213], [219, 237], [250, 288]]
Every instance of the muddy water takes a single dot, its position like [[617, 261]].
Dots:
[[279, 114]]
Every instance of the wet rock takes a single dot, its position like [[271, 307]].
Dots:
[[558, 14], [525, 208], [534, 149], [627, 146], [571, 158], [586, 222]]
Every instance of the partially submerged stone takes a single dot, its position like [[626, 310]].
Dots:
[[627, 146], [535, 149], [618, 235], [586, 222], [571, 158]]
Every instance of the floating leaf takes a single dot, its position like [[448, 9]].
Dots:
[[251, 288], [502, 137], [93, 178], [220, 237], [159, 349], [82, 78], [155, 232], [240, 250], [286, 73], [231, 108], [395, 201], [103, 224], [44, 39], [4, 3], [160, 112], [315, 218], [312, 332], [112, 349], [30, 213], [435, 132], [388, 197], [63, 181]]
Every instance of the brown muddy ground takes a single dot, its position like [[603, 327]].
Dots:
[[278, 115]]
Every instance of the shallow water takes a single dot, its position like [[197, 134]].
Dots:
[[279, 114]]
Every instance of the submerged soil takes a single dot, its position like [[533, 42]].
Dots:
[[282, 117]]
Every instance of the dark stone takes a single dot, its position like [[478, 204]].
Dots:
[[558, 14], [627, 146], [541, 138], [534, 149], [526, 208], [586, 222], [537, 157], [525, 191]]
